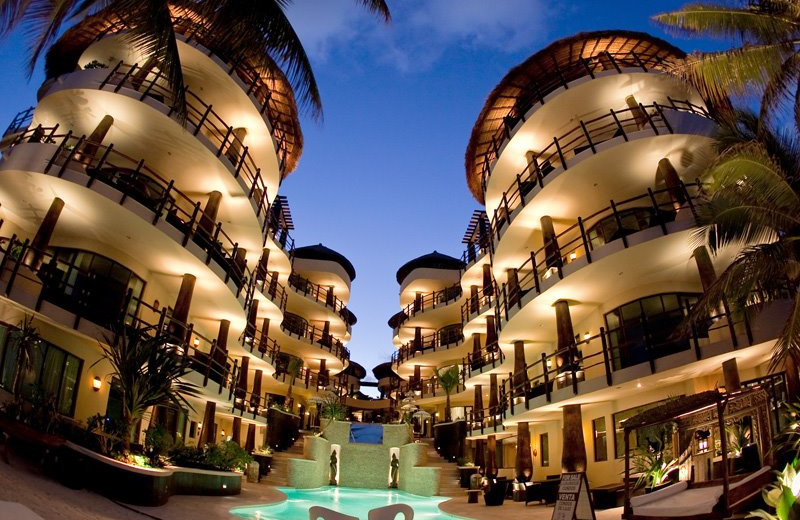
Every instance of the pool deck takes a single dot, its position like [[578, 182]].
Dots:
[[22, 483]]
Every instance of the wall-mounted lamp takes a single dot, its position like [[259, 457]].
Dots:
[[587, 335], [97, 383]]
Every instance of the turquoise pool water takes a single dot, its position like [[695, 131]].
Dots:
[[351, 501]]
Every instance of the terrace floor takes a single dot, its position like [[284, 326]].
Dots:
[[23, 483]]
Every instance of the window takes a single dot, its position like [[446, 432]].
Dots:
[[600, 440], [544, 449], [54, 372], [644, 328]]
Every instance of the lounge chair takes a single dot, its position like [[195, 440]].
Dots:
[[684, 499], [323, 513], [390, 512]]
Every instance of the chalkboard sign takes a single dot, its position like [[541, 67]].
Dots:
[[573, 501]]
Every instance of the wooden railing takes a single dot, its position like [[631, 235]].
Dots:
[[578, 241], [428, 387], [320, 294], [586, 135], [489, 356], [20, 122], [200, 118], [135, 179], [535, 92], [474, 304], [316, 336], [132, 314], [473, 251], [427, 301], [309, 379], [438, 340]]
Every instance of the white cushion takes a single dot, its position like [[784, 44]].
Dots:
[[751, 476], [660, 494], [695, 501]]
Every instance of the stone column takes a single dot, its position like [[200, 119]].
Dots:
[[477, 405], [41, 240], [672, 182], [235, 148], [480, 454], [323, 374], [250, 443], [209, 418], [94, 139], [176, 330], [565, 335], [236, 431], [636, 112], [573, 451], [250, 327], [552, 253], [255, 396], [494, 401], [263, 264], [491, 457], [242, 383], [487, 280], [417, 378], [474, 305], [491, 331], [220, 354], [520, 369], [262, 341], [512, 286], [524, 464], [704, 266], [730, 370], [476, 350], [208, 218], [417, 346]]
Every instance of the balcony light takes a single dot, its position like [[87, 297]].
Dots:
[[573, 256], [550, 272], [196, 342], [97, 383], [587, 335]]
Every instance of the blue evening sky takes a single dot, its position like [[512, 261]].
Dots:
[[381, 179]]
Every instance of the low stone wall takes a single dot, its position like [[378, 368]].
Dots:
[[82, 468], [364, 465]]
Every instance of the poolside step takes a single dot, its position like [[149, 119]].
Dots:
[[279, 470]]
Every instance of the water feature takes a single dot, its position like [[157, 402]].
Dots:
[[351, 501]]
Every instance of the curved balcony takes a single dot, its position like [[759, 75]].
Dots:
[[427, 387], [489, 358], [478, 304], [309, 380], [297, 327], [322, 295], [271, 101], [583, 242], [593, 136], [426, 302], [551, 76], [474, 252], [443, 339], [95, 309], [608, 359], [21, 122], [487, 420], [86, 163], [201, 119]]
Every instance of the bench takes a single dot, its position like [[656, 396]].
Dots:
[[608, 496]]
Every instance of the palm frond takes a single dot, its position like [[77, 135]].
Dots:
[[12, 12], [737, 71], [44, 21], [780, 95], [788, 343], [719, 21], [377, 7]]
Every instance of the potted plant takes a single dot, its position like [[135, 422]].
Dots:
[[448, 379]]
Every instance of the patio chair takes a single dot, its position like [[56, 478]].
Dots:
[[390, 512], [323, 513]]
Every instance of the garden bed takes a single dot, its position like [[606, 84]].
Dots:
[[79, 467]]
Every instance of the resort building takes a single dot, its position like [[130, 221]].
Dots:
[[121, 212], [565, 313]]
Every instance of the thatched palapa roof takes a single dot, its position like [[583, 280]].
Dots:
[[545, 71], [282, 112], [674, 409]]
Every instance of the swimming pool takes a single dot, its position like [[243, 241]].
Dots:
[[352, 501]]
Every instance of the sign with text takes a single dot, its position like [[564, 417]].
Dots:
[[573, 501]]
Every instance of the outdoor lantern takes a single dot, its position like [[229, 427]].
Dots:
[[97, 383]]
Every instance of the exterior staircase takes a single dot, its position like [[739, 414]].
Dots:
[[279, 470], [449, 484]]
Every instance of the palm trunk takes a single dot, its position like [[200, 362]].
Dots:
[[792, 378], [447, 408], [127, 423]]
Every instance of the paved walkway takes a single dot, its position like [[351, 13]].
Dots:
[[21, 483]]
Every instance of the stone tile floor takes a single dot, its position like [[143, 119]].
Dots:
[[19, 482]]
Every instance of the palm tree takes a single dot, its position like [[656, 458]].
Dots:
[[257, 30], [26, 337], [147, 373], [448, 380], [766, 59], [754, 202], [293, 369]]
